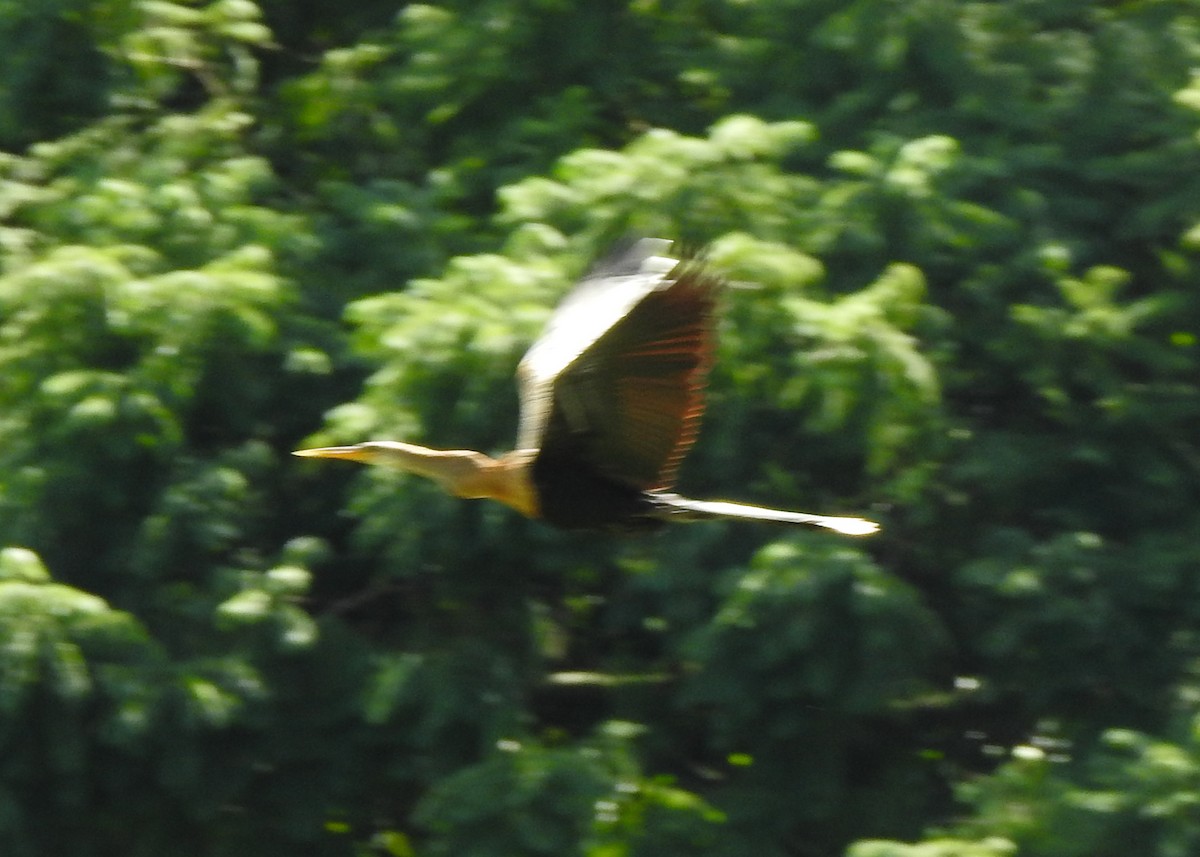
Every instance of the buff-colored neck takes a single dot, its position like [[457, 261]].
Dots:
[[461, 472]]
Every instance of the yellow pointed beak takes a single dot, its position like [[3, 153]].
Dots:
[[348, 453]]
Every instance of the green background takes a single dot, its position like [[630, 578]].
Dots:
[[963, 247]]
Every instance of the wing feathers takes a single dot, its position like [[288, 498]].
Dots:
[[628, 404]]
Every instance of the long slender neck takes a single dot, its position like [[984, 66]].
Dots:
[[466, 473]]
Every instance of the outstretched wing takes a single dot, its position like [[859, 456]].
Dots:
[[615, 384]]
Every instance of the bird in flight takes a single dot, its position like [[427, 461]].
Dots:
[[611, 399]]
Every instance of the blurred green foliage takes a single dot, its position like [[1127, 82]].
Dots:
[[962, 241]]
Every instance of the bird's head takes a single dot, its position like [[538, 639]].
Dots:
[[371, 452]]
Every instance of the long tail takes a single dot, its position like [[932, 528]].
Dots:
[[672, 507]]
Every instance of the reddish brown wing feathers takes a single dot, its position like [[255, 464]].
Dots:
[[630, 405], [662, 352]]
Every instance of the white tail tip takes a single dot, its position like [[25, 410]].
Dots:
[[849, 526]]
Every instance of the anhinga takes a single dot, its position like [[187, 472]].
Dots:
[[611, 398]]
